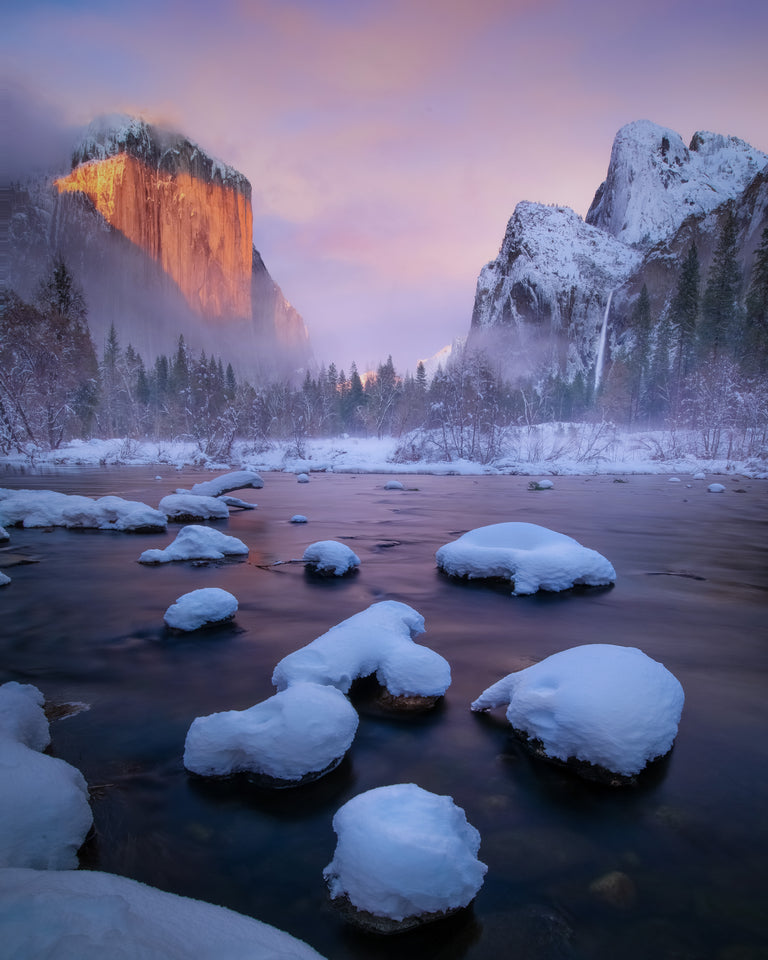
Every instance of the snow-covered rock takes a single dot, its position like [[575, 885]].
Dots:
[[201, 608], [403, 855], [186, 507], [540, 485], [197, 543], [609, 706], [533, 557], [302, 478], [393, 485], [378, 640], [716, 488], [237, 480], [47, 508], [298, 518], [89, 915], [330, 557], [44, 809], [237, 502], [295, 736], [4, 579], [654, 181], [4, 535]]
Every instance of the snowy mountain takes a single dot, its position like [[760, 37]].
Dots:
[[160, 236], [561, 288]]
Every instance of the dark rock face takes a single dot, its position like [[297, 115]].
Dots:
[[374, 923]]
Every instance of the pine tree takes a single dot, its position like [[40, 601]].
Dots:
[[756, 327], [720, 309], [684, 314]]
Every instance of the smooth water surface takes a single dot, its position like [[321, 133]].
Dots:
[[85, 624]]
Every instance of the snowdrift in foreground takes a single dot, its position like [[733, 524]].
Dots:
[[196, 543], [201, 608], [293, 737], [331, 558], [610, 706], [378, 640], [46, 508], [44, 809], [93, 916], [404, 854], [533, 557]]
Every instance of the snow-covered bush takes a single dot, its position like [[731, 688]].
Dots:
[[405, 856], [609, 706], [531, 556]]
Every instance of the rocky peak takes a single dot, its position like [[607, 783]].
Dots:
[[654, 181], [164, 150]]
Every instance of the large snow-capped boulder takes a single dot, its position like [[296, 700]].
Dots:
[[44, 810], [596, 706], [404, 856], [294, 737], [655, 182], [378, 640], [89, 915], [201, 608], [330, 558], [186, 507], [47, 508], [197, 543], [532, 557]]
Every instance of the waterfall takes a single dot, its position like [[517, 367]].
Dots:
[[601, 345]]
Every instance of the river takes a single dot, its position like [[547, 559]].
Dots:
[[85, 624]]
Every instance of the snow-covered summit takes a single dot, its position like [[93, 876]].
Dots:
[[654, 181], [110, 134]]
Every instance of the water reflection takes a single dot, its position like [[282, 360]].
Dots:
[[85, 624]]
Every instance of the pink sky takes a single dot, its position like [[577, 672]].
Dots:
[[388, 141]]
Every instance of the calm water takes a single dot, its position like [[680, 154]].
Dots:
[[85, 624]]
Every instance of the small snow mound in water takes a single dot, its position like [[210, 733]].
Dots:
[[715, 488], [674, 480], [196, 543], [237, 480], [393, 485], [192, 506], [699, 476], [534, 557], [403, 852], [540, 485], [298, 518], [305, 729], [607, 705], [331, 557], [302, 478], [201, 608], [4, 579]]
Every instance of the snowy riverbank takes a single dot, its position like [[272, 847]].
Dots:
[[545, 450]]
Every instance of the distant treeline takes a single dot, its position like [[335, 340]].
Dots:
[[702, 364]]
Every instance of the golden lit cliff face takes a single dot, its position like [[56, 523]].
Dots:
[[200, 232]]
